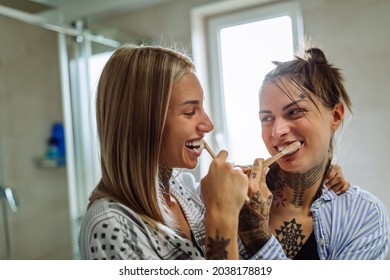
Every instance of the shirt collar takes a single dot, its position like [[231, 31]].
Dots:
[[327, 194]]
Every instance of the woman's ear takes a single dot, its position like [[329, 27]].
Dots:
[[338, 116]]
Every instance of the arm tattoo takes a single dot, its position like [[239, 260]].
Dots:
[[253, 226], [291, 238], [217, 248]]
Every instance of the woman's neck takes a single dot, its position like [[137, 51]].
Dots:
[[164, 175], [300, 190]]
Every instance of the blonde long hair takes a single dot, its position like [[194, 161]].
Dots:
[[133, 95]]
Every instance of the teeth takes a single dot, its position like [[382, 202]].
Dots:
[[197, 144], [281, 148]]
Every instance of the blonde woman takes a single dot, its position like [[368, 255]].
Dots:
[[150, 120]]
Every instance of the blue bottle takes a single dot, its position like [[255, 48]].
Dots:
[[58, 137]]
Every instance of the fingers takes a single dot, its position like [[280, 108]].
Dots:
[[222, 155], [333, 172], [343, 188], [256, 171], [335, 180], [245, 169], [224, 185], [338, 184], [256, 176]]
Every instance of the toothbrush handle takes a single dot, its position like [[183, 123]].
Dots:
[[271, 160]]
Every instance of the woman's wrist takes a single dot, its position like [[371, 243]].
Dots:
[[221, 236]]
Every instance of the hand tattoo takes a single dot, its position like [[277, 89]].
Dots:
[[253, 225]]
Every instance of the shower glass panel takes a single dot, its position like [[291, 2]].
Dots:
[[81, 63]]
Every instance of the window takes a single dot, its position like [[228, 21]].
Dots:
[[241, 47]]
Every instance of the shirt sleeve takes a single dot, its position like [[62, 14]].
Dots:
[[371, 241], [109, 236], [359, 228], [272, 250]]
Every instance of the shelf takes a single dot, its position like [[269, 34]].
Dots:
[[49, 162]]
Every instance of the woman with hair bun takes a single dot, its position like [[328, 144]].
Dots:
[[305, 100]]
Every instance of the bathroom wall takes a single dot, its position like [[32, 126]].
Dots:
[[354, 34], [30, 101]]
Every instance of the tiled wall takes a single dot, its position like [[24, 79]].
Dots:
[[30, 101]]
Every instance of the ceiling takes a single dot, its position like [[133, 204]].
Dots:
[[67, 11], [61, 15]]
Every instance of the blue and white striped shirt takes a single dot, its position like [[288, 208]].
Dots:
[[350, 226]]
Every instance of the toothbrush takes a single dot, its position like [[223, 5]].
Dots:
[[208, 149], [288, 150]]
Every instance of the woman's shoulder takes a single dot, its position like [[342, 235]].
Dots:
[[359, 193], [354, 199], [185, 186], [110, 230], [109, 217], [359, 198], [108, 212], [184, 179], [184, 176]]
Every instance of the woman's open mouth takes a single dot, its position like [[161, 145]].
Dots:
[[195, 146]]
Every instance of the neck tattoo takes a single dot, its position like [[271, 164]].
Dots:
[[279, 179], [164, 174], [301, 182]]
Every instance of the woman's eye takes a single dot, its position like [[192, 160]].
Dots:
[[296, 113], [266, 118], [190, 113]]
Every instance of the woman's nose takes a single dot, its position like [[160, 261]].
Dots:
[[205, 125], [280, 128]]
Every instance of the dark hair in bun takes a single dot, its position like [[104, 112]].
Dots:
[[313, 74]]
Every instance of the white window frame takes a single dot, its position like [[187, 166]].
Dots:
[[207, 21]]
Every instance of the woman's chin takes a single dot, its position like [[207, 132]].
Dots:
[[188, 164], [291, 167], [192, 165]]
